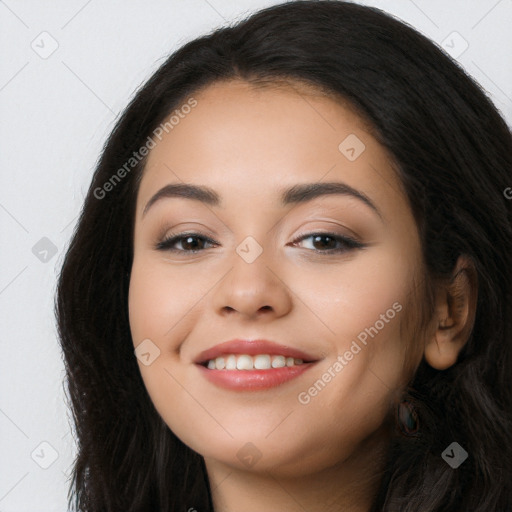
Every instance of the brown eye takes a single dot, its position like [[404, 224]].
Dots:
[[190, 242], [330, 243]]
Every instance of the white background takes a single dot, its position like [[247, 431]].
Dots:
[[56, 114]]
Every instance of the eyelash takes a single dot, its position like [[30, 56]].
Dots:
[[172, 238]]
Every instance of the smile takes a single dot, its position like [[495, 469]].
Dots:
[[251, 373], [244, 365], [247, 362]]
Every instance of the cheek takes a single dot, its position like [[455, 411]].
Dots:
[[161, 316], [360, 308], [159, 302], [363, 299]]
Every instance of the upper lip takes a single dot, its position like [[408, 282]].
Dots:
[[252, 348]]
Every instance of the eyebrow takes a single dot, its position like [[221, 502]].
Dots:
[[300, 193]]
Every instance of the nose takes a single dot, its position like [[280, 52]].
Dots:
[[253, 290]]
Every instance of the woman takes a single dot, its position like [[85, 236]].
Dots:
[[219, 356]]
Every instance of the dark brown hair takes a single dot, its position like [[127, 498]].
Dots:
[[454, 156]]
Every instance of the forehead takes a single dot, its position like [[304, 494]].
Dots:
[[242, 139]]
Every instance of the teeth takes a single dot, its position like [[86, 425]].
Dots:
[[278, 362], [262, 362], [246, 362], [231, 362]]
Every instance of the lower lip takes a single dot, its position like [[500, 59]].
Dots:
[[246, 380]]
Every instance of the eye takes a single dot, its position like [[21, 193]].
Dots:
[[327, 242], [191, 242]]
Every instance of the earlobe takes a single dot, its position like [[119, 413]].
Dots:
[[454, 318], [442, 350]]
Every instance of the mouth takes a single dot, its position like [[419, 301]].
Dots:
[[252, 365], [246, 362]]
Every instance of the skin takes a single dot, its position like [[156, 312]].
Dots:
[[247, 144]]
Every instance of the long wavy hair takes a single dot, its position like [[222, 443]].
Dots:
[[453, 152]]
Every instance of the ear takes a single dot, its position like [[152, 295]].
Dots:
[[454, 317]]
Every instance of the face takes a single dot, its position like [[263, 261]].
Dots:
[[332, 275]]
